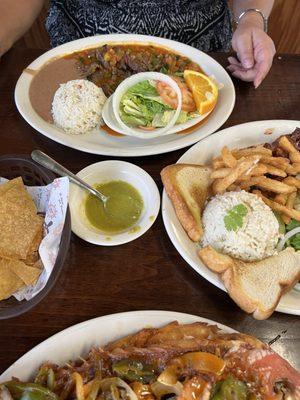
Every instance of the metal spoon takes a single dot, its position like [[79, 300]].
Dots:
[[48, 162]]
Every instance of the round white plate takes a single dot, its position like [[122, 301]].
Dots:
[[99, 142], [112, 170], [78, 339], [237, 136]]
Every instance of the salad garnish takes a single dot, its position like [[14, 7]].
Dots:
[[143, 106], [234, 218]]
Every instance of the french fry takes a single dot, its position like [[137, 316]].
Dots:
[[227, 157], [287, 146], [259, 169], [216, 164], [290, 212], [268, 184], [293, 169], [279, 162], [290, 204], [281, 198], [291, 200], [220, 173], [285, 219], [250, 151], [270, 169], [295, 157], [292, 181], [232, 188], [244, 165]]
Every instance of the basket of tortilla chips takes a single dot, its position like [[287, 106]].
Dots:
[[35, 231]]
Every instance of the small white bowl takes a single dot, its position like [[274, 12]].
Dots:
[[111, 109], [105, 171]]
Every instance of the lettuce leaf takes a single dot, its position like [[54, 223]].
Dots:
[[142, 102], [141, 105], [144, 89]]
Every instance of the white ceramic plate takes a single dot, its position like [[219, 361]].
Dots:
[[99, 142], [78, 339], [237, 136], [107, 171]]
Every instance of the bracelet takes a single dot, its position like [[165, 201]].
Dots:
[[265, 19]]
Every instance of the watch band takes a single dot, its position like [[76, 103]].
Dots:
[[264, 18]]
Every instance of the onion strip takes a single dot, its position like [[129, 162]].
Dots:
[[286, 237]]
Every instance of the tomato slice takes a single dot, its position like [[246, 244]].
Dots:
[[169, 96]]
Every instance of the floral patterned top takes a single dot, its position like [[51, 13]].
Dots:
[[204, 24]]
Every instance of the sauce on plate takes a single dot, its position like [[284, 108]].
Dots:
[[122, 210]]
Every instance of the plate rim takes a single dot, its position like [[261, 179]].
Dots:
[[140, 314], [168, 223], [159, 148]]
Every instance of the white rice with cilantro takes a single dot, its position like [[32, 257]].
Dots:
[[77, 106], [241, 225]]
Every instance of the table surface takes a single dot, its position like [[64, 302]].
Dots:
[[147, 273]]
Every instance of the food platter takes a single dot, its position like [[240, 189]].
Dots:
[[98, 141], [78, 339], [244, 135]]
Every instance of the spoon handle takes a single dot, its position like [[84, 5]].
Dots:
[[48, 162]]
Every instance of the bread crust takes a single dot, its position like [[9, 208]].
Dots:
[[187, 220]]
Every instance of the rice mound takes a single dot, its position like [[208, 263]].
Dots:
[[77, 106], [255, 240]]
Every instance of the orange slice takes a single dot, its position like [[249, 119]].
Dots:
[[204, 90]]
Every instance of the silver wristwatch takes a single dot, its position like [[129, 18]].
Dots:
[[265, 19]]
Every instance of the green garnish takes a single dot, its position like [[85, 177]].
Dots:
[[230, 388], [292, 225], [234, 218], [294, 241]]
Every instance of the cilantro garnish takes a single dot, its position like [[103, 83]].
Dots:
[[234, 218]]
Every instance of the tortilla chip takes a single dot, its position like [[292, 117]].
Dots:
[[17, 182], [28, 274], [33, 248], [32, 258], [9, 281], [21, 227], [38, 264]]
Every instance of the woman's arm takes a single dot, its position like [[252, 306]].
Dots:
[[255, 49], [16, 17]]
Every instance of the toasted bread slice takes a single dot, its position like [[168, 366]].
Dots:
[[256, 287], [188, 187]]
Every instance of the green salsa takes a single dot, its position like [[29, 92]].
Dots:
[[121, 211]]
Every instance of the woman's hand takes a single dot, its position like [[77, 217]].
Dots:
[[255, 50]]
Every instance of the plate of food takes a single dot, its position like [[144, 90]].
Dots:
[[231, 209], [73, 94], [150, 355]]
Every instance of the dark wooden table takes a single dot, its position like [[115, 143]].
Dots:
[[147, 273]]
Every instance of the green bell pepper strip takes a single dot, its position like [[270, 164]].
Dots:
[[131, 370], [29, 391], [230, 388]]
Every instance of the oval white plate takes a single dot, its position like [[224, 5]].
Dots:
[[104, 171], [99, 142], [237, 136], [78, 339]]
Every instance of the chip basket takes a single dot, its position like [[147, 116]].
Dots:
[[12, 166]]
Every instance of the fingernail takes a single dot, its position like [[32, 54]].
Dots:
[[247, 63]]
